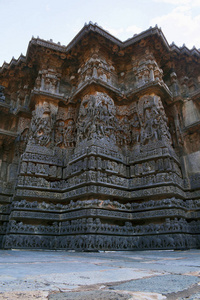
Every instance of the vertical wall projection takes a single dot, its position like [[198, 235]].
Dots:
[[100, 145]]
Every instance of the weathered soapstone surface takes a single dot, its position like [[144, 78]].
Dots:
[[100, 144]]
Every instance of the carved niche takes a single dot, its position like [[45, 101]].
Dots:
[[65, 128], [42, 124], [96, 120], [97, 68], [153, 120], [147, 70], [2, 97], [48, 80], [142, 122], [128, 125]]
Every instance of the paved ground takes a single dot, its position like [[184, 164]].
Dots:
[[122, 275]]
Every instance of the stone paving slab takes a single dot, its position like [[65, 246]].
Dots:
[[32, 295], [165, 284], [140, 275], [90, 295], [103, 295]]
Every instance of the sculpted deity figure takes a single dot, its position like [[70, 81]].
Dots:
[[2, 97], [153, 120], [96, 118], [59, 132], [69, 134], [41, 125]]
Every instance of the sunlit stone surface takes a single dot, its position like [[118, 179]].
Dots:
[[100, 144]]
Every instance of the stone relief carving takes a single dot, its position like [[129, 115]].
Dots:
[[94, 242], [23, 98], [48, 81], [21, 142], [65, 128], [59, 131], [96, 120], [128, 125], [42, 123], [70, 134], [153, 120], [97, 68], [147, 70], [98, 168], [2, 97]]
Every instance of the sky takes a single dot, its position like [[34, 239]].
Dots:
[[61, 20]]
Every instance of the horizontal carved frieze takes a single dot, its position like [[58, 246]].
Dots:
[[98, 242], [90, 225], [110, 214], [173, 202], [42, 158]]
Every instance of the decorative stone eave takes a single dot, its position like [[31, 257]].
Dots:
[[129, 42], [4, 107], [160, 88], [177, 99], [35, 94], [195, 127], [155, 86], [13, 62], [149, 33], [185, 50], [5, 134], [46, 44], [22, 112], [195, 95], [100, 85]]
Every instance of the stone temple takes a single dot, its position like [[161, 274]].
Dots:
[[100, 144]]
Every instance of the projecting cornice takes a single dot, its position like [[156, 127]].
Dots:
[[95, 29]]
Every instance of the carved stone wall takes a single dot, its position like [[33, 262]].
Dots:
[[99, 146]]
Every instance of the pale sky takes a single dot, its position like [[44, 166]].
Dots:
[[61, 20]]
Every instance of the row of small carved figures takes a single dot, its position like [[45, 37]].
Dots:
[[107, 204], [152, 150], [41, 169], [102, 242], [95, 226], [55, 159], [61, 159], [100, 177], [6, 186], [90, 164], [142, 168], [95, 150]]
